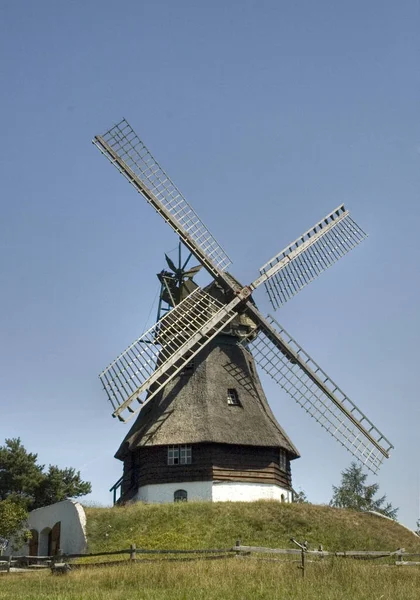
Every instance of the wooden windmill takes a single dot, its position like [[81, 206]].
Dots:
[[205, 429]]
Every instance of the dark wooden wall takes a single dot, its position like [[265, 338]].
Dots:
[[210, 462]]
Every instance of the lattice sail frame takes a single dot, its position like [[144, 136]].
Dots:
[[124, 149], [334, 410], [307, 257], [150, 362]]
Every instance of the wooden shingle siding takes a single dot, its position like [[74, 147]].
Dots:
[[210, 462]]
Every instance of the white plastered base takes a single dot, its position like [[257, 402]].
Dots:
[[213, 491]]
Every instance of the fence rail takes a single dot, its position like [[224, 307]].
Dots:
[[60, 562], [324, 553]]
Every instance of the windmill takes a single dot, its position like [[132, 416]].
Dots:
[[219, 330]]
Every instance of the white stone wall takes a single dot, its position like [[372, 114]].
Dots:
[[225, 491], [73, 527], [164, 492], [211, 490]]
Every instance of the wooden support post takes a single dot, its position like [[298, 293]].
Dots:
[[133, 552], [303, 561], [303, 547], [9, 563], [58, 557], [237, 545]]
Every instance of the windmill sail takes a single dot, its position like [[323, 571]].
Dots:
[[155, 358], [122, 146], [281, 357], [308, 256], [146, 366]]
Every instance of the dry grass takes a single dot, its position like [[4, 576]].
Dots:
[[229, 579]]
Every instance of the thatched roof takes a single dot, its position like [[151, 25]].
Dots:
[[193, 407]]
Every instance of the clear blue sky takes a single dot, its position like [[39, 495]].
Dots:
[[267, 115]]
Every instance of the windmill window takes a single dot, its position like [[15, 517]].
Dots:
[[180, 496], [232, 397], [179, 455], [283, 460]]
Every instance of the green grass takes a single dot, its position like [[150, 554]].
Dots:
[[219, 525], [212, 525], [231, 579]]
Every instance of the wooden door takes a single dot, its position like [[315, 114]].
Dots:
[[54, 539], [33, 543]]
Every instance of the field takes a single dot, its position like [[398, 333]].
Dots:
[[206, 525]]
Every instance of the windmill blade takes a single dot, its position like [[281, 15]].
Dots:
[[308, 256], [129, 155], [142, 370], [193, 271], [281, 357], [170, 264]]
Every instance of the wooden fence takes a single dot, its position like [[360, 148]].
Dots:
[[62, 563]]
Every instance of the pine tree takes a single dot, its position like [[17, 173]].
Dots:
[[355, 493], [24, 481]]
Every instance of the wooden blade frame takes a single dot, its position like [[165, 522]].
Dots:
[[281, 357], [307, 257], [142, 370], [124, 149]]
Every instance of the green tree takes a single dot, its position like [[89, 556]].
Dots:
[[59, 484], [25, 482], [20, 475], [300, 497], [13, 522], [355, 493], [418, 527]]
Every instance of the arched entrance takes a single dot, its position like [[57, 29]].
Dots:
[[33, 543], [49, 540], [180, 496], [54, 541], [44, 542]]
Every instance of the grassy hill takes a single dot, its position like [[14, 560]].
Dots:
[[218, 525], [206, 525]]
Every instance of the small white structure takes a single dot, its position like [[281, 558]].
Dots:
[[60, 526]]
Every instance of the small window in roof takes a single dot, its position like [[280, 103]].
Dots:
[[232, 397]]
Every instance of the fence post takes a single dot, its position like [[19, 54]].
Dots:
[[303, 547], [9, 563], [133, 552], [303, 561], [237, 545]]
